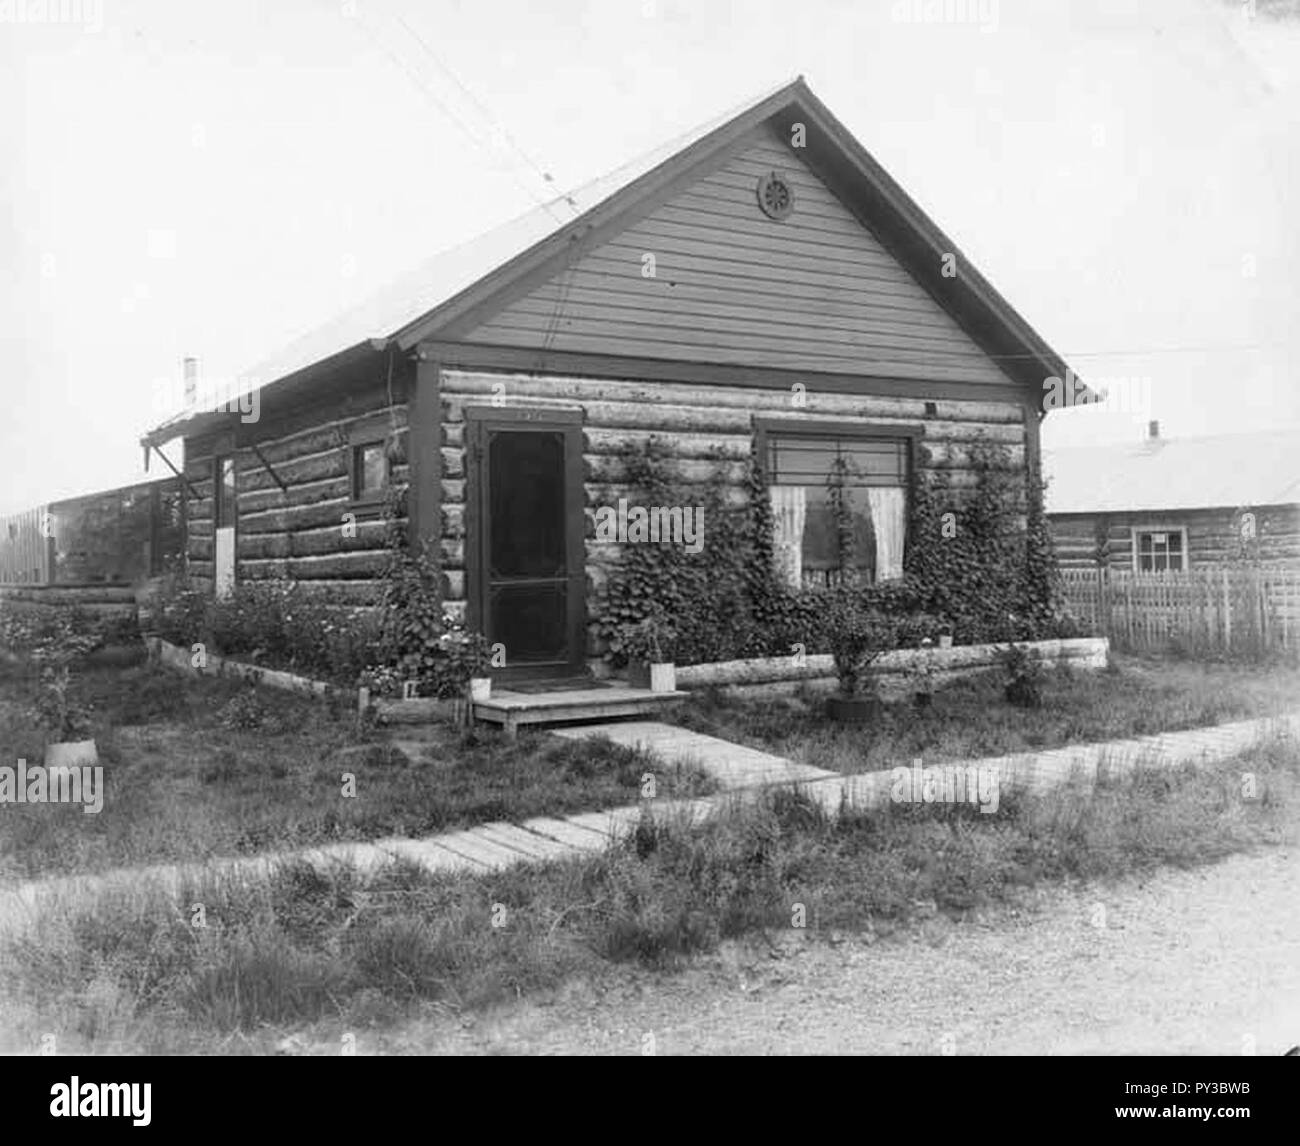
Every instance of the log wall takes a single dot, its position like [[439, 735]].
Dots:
[[311, 531], [1211, 536], [694, 420]]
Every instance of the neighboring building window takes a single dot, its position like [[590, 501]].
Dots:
[[1158, 550], [369, 471], [802, 468], [224, 471]]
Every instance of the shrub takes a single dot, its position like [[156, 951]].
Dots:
[[1024, 676], [858, 634], [416, 640], [275, 623]]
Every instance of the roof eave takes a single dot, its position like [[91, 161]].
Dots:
[[204, 421]]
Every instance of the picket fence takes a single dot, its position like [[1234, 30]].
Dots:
[[1250, 609]]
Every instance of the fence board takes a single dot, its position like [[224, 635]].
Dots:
[[1250, 609]]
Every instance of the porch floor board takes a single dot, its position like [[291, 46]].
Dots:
[[511, 709]]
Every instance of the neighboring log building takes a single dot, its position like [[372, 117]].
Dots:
[[1176, 504], [115, 536], [762, 282]]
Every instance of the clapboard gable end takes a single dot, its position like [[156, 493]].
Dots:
[[708, 276]]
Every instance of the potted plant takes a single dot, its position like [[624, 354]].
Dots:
[[469, 658], [648, 647], [66, 721], [56, 649], [1023, 687], [945, 635], [858, 635]]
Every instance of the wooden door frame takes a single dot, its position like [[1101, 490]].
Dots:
[[480, 420]]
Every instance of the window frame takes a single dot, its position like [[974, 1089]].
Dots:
[[824, 429], [1136, 531], [219, 460], [373, 431]]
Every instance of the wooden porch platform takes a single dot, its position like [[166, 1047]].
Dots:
[[511, 709]]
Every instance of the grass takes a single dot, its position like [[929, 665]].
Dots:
[[338, 951], [203, 767], [971, 718]]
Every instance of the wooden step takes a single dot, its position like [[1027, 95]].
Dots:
[[511, 709]]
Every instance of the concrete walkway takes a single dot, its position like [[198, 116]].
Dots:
[[743, 772]]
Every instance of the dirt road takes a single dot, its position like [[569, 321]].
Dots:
[[1198, 962]]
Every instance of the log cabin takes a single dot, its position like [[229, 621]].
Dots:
[[1174, 505], [759, 284]]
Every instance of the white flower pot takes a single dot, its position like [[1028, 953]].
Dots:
[[945, 641], [71, 754], [663, 677], [480, 688]]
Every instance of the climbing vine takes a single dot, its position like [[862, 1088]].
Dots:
[[979, 563]]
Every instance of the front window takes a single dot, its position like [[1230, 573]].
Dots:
[[808, 474], [1160, 550]]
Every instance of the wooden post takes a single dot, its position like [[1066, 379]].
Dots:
[[1227, 610]]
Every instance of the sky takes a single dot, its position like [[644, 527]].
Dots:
[[212, 180]]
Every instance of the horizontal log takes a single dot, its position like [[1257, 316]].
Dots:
[[453, 462], [599, 494], [453, 490], [600, 468], [105, 594], [1084, 653], [678, 445], [319, 440], [341, 566], [628, 417], [350, 593], [478, 385], [295, 517], [361, 535], [960, 455], [314, 467], [330, 489]]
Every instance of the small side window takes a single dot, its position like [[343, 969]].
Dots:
[[369, 471], [224, 473]]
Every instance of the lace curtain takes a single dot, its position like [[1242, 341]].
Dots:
[[889, 519], [789, 515], [789, 510]]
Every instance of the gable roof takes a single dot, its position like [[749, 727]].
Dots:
[[472, 278], [1219, 471]]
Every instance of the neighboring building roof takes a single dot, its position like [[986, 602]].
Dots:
[[420, 302], [1219, 471]]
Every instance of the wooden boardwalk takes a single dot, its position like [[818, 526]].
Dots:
[[745, 773]]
